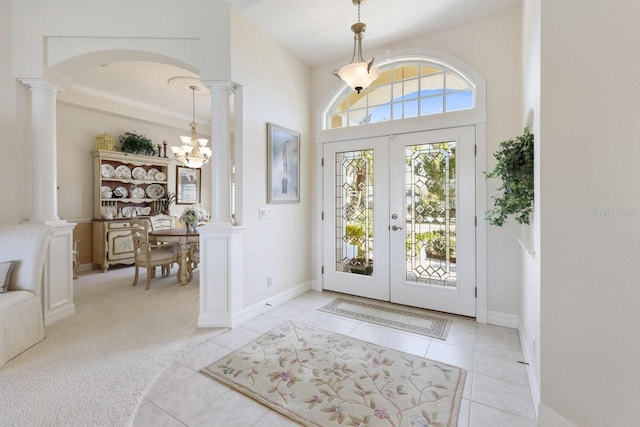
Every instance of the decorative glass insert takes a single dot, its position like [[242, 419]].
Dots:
[[430, 188], [354, 212], [403, 90]]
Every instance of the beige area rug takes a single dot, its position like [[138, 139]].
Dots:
[[410, 320], [320, 378], [93, 368]]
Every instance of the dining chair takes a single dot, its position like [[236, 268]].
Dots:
[[160, 222], [148, 255]]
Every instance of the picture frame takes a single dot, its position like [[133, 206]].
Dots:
[[187, 185], [283, 165]]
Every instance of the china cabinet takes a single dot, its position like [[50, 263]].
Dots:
[[125, 186]]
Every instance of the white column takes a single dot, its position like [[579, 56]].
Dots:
[[221, 275], [58, 271]]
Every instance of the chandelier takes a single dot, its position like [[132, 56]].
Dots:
[[193, 153], [359, 74]]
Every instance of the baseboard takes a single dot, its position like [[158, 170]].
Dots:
[[59, 313], [534, 387], [267, 304], [503, 319], [547, 417]]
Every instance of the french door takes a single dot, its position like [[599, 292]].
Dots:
[[399, 219]]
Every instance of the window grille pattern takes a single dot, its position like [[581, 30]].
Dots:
[[403, 91]]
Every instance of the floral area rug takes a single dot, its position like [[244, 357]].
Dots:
[[320, 378], [391, 315]]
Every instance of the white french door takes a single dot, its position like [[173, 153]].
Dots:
[[399, 219]]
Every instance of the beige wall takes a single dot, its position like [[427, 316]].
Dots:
[[492, 47], [276, 88], [590, 274]]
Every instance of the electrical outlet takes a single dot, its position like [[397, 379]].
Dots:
[[269, 281]]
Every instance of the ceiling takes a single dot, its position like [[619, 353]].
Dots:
[[315, 31]]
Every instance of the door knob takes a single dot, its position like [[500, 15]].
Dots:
[[396, 228]]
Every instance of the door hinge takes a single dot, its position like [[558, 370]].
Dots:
[[322, 216], [476, 291], [475, 150], [475, 220], [322, 162], [322, 270]]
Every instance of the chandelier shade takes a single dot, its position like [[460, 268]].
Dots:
[[359, 74], [193, 153]]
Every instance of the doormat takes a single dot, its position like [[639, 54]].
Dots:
[[320, 378], [392, 316]]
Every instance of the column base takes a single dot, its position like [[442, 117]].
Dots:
[[58, 273], [221, 276]]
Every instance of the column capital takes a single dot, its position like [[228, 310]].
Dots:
[[42, 84], [219, 86]]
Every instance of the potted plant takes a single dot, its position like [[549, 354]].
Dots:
[[166, 202], [515, 168], [136, 144]]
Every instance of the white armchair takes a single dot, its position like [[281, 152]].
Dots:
[[21, 319]]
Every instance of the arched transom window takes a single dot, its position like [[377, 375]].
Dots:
[[403, 90]]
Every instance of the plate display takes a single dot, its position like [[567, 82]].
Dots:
[[123, 172], [104, 188], [151, 174], [123, 192], [137, 193], [107, 171], [155, 191], [139, 173], [160, 177]]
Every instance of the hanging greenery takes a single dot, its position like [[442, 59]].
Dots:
[[515, 168]]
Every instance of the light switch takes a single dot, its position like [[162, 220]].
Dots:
[[264, 213]]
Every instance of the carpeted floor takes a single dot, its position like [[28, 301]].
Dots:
[[93, 367]]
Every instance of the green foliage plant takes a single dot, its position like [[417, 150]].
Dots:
[[515, 168], [136, 144]]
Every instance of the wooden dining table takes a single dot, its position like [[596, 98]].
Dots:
[[183, 239]]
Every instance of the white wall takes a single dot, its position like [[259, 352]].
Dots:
[[77, 128], [590, 212], [276, 88], [530, 250], [492, 47]]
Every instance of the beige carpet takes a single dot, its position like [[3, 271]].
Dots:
[[93, 368], [407, 319], [320, 378]]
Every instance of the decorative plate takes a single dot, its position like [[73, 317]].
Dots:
[[151, 174], [160, 177], [143, 211], [107, 171], [123, 172], [155, 191], [139, 173], [104, 188], [137, 193], [123, 192]]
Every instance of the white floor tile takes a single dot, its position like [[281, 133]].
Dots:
[[508, 397], [392, 338], [231, 410], [236, 338], [501, 367], [263, 323], [275, 419], [484, 416], [169, 380], [149, 415], [463, 415], [505, 346], [451, 354], [203, 355]]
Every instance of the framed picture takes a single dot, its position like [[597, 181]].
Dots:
[[283, 165], [187, 185]]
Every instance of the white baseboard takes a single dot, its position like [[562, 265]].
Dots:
[[503, 319], [547, 417], [59, 313], [267, 304], [534, 387]]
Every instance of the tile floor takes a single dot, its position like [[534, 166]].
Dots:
[[496, 392]]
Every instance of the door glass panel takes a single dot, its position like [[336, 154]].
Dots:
[[354, 212], [430, 188]]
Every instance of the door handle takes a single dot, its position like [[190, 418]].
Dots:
[[396, 228]]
